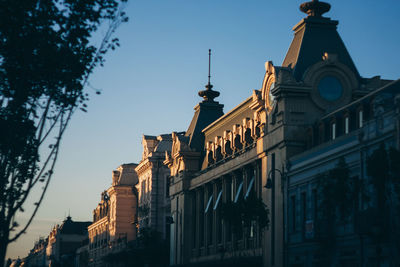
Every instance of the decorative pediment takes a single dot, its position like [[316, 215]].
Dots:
[[179, 143], [182, 157], [149, 143]]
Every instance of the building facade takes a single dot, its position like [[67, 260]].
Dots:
[[311, 111], [63, 240], [37, 256], [115, 217], [153, 187], [351, 133]]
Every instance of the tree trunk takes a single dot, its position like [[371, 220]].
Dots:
[[3, 242], [3, 250]]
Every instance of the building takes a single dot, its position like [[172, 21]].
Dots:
[[82, 254], [216, 161], [312, 110], [153, 187], [351, 133], [37, 256], [63, 240], [114, 218]]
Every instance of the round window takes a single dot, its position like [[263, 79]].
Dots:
[[271, 97], [330, 88]]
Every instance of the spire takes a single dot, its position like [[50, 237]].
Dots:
[[314, 36], [209, 94], [315, 8]]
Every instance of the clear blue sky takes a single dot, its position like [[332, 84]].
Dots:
[[150, 84]]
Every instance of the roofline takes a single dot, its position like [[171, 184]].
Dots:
[[250, 98], [362, 98]]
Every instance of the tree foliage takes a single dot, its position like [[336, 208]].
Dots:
[[140, 252], [383, 169], [336, 191], [242, 213], [46, 57]]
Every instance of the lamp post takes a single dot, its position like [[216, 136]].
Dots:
[[271, 185], [270, 181], [175, 220]]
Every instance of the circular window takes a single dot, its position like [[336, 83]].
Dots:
[[330, 88], [271, 97]]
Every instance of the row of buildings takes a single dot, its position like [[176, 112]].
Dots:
[[303, 172], [59, 247]]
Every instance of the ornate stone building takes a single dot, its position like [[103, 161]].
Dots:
[[308, 113], [351, 133], [114, 218], [153, 187], [63, 240], [37, 256]]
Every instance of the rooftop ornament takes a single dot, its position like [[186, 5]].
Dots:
[[315, 8], [209, 94]]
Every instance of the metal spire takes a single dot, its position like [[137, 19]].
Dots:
[[209, 94], [209, 66]]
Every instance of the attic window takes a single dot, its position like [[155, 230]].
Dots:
[[330, 88]]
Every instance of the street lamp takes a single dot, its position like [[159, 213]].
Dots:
[[269, 183]]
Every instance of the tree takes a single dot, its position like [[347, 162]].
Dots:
[[242, 213], [140, 252], [46, 57], [383, 169], [337, 194]]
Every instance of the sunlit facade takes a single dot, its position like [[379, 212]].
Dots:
[[152, 186], [310, 111], [115, 217]]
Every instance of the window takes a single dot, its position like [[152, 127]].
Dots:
[[201, 217], [218, 199], [321, 133], [293, 205], [250, 186], [218, 213], [143, 190], [209, 202], [210, 214], [229, 190], [309, 138], [330, 88], [303, 210], [333, 131], [315, 204], [228, 198], [346, 125], [360, 118], [194, 221], [238, 192]]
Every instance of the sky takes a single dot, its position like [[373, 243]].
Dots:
[[149, 85]]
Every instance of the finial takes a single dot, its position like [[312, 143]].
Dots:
[[315, 8], [209, 66], [209, 94]]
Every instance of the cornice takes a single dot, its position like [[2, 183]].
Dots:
[[149, 161], [235, 112], [143, 166], [103, 220]]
